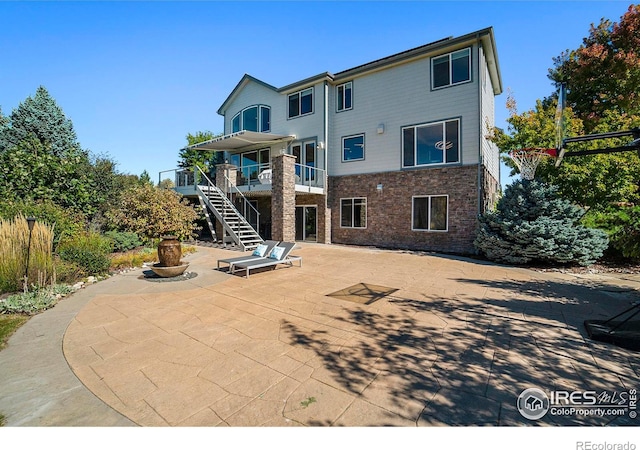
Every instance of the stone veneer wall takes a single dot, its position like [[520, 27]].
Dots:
[[283, 198], [324, 214], [389, 216]]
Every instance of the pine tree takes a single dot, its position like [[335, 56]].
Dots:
[[41, 118], [532, 224]]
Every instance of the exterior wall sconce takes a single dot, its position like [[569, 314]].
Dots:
[[380, 128], [379, 188], [320, 145]]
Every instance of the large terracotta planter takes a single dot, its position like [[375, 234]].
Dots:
[[169, 251], [169, 254]]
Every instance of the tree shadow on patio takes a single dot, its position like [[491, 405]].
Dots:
[[464, 361]]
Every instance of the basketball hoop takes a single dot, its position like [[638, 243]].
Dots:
[[527, 160]]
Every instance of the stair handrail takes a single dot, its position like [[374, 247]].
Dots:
[[233, 189], [226, 202]]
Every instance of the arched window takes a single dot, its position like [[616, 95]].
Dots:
[[253, 118]]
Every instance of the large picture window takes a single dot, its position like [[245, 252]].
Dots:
[[353, 213], [430, 213], [253, 118], [353, 148], [301, 103], [450, 69], [433, 143], [344, 100]]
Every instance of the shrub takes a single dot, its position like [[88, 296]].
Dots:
[[622, 224], [67, 271], [89, 250], [33, 302], [123, 240], [15, 248], [65, 221], [531, 224], [152, 212], [133, 258]]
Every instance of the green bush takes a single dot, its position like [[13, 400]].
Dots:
[[67, 271], [123, 240], [532, 224], [622, 224], [89, 250], [65, 221], [33, 302], [151, 213]]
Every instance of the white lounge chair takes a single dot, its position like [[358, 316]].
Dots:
[[263, 250], [279, 255]]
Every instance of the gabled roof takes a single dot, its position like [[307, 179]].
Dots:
[[485, 37], [241, 84]]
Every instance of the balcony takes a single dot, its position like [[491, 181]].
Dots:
[[254, 180]]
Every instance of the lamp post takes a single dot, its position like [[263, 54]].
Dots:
[[31, 221]]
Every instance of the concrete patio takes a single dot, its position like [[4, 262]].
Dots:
[[455, 344]]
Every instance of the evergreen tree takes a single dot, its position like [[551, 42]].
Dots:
[[145, 178], [41, 118], [4, 125], [532, 224], [205, 159]]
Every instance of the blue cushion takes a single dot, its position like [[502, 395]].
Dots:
[[277, 253], [260, 250]]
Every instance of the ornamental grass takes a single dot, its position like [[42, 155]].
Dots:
[[14, 246]]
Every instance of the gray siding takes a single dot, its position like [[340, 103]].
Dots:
[[490, 152], [396, 97], [306, 127]]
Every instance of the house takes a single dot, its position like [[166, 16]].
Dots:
[[392, 153]]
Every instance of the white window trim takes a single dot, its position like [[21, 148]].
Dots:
[[343, 86], [428, 230], [239, 114], [366, 213], [444, 152], [433, 88], [300, 103], [363, 147]]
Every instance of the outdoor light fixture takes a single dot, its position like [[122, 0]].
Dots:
[[381, 128], [31, 221], [379, 188]]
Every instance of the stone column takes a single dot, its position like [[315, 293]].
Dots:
[[231, 172], [324, 221], [283, 198]]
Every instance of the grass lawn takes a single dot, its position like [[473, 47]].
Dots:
[[9, 323]]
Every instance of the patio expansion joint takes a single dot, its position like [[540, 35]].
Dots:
[[157, 413]]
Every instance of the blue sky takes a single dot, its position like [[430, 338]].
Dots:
[[136, 77]]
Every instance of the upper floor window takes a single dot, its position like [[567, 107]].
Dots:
[[452, 68], [345, 96], [301, 103], [432, 143], [253, 118], [353, 148]]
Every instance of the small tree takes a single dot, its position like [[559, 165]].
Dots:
[[204, 159], [152, 212], [532, 224]]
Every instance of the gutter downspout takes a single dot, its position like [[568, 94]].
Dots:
[[327, 227], [480, 140]]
